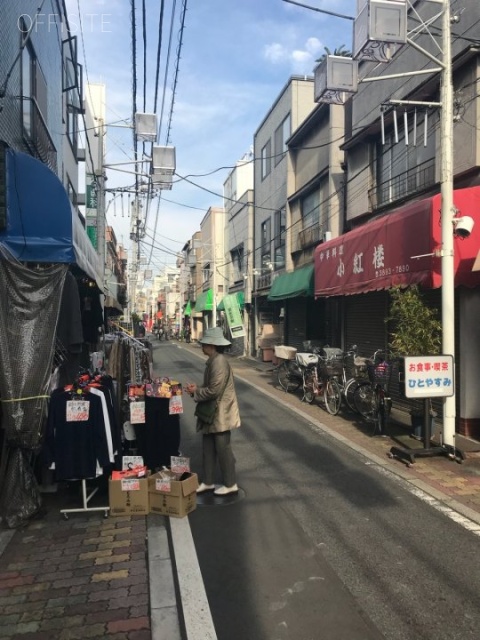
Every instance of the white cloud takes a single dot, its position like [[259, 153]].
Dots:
[[313, 46], [298, 60], [275, 53]]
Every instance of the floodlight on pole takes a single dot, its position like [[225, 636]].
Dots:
[[163, 160], [146, 126]]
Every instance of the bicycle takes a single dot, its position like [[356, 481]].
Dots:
[[372, 399], [317, 384], [348, 381], [289, 374], [328, 371]]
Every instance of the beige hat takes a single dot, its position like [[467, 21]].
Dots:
[[214, 336]]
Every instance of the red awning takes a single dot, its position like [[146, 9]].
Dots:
[[381, 253]]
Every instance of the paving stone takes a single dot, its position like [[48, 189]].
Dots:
[[112, 559], [86, 631], [131, 624], [111, 575]]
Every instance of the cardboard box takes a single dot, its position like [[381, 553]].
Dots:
[[128, 497], [171, 497]]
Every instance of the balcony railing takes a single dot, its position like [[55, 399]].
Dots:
[[411, 182], [263, 281], [39, 137], [310, 236]]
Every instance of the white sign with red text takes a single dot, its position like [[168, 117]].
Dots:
[[429, 376]]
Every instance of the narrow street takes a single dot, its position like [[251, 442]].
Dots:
[[322, 542]]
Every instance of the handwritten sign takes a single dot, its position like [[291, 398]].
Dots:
[[179, 465], [130, 484], [163, 484], [77, 410], [175, 405], [137, 412], [429, 376]]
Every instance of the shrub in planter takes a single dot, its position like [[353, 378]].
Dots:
[[415, 331]]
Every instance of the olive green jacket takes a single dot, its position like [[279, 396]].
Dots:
[[217, 372]]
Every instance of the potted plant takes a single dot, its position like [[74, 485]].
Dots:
[[415, 331]]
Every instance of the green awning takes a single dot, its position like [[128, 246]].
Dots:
[[188, 309], [204, 302], [292, 285], [240, 297]]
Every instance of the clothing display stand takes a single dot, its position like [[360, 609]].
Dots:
[[86, 500]]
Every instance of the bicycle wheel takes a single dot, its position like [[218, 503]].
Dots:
[[308, 387], [349, 393], [332, 396], [364, 399], [286, 379]]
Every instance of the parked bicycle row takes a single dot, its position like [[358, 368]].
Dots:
[[340, 378]]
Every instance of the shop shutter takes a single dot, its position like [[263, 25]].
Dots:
[[296, 322], [365, 322]]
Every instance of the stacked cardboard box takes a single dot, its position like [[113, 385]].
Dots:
[[170, 496], [128, 497]]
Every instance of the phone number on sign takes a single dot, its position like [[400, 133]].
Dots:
[[388, 271]]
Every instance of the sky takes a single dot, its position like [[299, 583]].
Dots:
[[236, 56]]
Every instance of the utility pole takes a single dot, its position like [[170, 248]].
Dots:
[[447, 215], [100, 176]]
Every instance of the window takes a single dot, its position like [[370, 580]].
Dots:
[[311, 209], [404, 169], [266, 238], [28, 90], [73, 88], [279, 239], [281, 136], [266, 159], [237, 258]]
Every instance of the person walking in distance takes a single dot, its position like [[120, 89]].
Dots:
[[218, 387]]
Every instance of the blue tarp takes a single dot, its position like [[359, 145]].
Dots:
[[42, 225]]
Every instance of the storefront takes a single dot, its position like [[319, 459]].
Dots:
[[51, 286], [203, 315], [302, 315], [400, 249]]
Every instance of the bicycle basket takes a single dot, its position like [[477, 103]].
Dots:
[[307, 359], [332, 362], [380, 373]]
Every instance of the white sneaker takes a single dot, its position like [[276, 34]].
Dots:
[[205, 487], [223, 491]]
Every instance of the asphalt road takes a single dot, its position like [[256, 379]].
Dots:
[[322, 543]]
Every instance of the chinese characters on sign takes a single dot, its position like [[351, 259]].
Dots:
[[234, 316], [429, 376], [355, 264], [77, 410]]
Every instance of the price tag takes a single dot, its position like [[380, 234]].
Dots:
[[137, 412], [163, 484], [77, 410], [175, 405], [179, 465], [130, 484], [129, 462]]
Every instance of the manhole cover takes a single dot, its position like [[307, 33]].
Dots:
[[209, 499]]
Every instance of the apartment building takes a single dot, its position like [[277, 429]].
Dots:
[[392, 225], [237, 316], [271, 179]]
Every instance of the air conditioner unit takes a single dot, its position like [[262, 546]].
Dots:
[[327, 235]]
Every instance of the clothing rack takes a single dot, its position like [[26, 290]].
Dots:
[[86, 499]]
